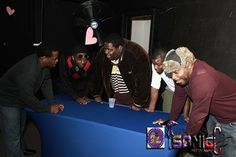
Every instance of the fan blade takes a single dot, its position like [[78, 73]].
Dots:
[[93, 10], [79, 22], [100, 36], [92, 13]]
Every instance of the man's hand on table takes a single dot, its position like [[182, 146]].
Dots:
[[149, 110], [186, 118], [55, 108], [135, 107], [98, 99], [161, 122], [83, 100]]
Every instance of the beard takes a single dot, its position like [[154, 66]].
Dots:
[[182, 81]]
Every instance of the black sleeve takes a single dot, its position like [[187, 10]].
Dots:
[[66, 83], [46, 87], [25, 84], [142, 80], [97, 83], [87, 82]]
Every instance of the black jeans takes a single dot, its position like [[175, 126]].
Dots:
[[12, 124], [229, 132]]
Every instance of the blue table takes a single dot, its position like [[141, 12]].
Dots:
[[97, 130]]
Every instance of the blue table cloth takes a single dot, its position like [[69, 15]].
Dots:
[[97, 130]]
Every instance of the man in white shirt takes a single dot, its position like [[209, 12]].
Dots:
[[157, 74]]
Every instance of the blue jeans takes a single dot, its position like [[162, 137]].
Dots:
[[12, 123], [229, 132]]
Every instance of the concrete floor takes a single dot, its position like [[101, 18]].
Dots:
[[31, 138]]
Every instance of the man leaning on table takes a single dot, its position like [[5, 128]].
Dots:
[[212, 92], [123, 68], [18, 87]]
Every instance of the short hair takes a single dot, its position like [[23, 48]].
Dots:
[[115, 39], [45, 50], [159, 53], [79, 49]]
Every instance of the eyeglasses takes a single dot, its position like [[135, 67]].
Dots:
[[80, 56]]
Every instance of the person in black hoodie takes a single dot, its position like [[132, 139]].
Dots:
[[18, 87], [75, 73]]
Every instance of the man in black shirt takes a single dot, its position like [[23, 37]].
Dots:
[[75, 73], [18, 87]]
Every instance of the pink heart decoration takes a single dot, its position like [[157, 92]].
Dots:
[[89, 39], [10, 11]]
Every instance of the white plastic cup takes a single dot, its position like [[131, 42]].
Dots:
[[112, 102]]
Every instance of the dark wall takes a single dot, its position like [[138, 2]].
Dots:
[[57, 23], [206, 27], [59, 28], [16, 32]]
